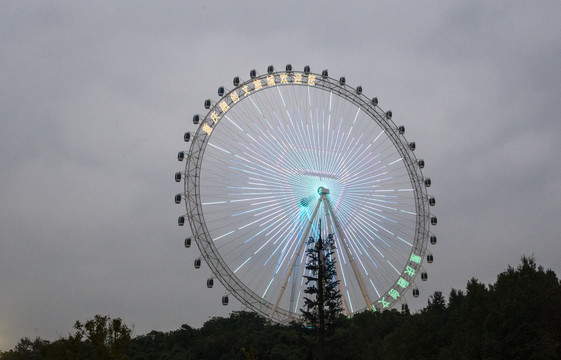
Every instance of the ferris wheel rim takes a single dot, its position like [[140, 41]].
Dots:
[[195, 158]]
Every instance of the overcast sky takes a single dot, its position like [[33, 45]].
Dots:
[[95, 98]]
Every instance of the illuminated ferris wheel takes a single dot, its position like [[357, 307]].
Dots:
[[280, 152]]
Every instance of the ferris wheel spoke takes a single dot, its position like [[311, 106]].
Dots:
[[337, 146], [293, 157], [359, 159], [295, 258], [349, 255], [304, 144], [369, 235]]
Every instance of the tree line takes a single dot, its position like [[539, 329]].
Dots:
[[517, 317]]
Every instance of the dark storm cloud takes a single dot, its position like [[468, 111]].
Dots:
[[95, 98]]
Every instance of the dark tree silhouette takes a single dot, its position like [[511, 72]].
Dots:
[[323, 307], [517, 317]]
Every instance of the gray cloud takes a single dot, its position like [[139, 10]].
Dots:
[[95, 99]]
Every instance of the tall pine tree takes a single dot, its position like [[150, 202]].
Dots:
[[324, 306]]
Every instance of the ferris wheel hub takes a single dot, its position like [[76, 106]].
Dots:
[[322, 190]]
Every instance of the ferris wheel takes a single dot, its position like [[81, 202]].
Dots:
[[281, 152]]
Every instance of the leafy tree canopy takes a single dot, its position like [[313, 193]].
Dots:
[[517, 317]]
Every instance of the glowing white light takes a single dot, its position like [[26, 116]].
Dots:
[[350, 303], [214, 203], [266, 197], [254, 104], [408, 243], [393, 267], [221, 236], [219, 148], [282, 98], [393, 162], [383, 228], [374, 286], [268, 286], [245, 262], [233, 123], [380, 134], [297, 301], [357, 111]]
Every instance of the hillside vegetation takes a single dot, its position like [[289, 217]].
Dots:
[[517, 317]]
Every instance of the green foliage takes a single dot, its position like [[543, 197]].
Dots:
[[323, 307], [107, 337], [99, 338], [517, 317], [26, 349]]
